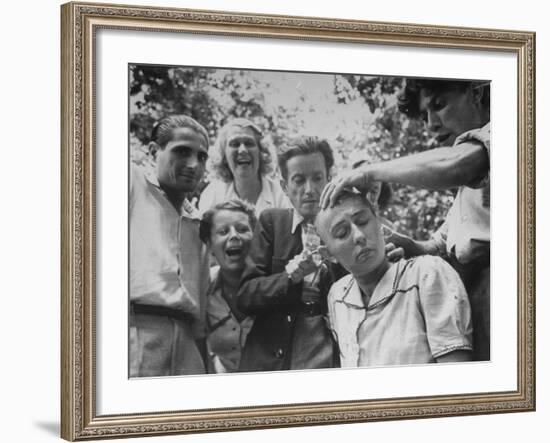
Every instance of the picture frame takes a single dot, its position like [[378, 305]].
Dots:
[[80, 178]]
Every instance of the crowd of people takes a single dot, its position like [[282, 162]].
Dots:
[[302, 272]]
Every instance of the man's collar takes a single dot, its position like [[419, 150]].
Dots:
[[187, 209], [151, 176], [190, 211], [297, 219]]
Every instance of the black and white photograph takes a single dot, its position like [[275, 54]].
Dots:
[[285, 220], [282, 219]]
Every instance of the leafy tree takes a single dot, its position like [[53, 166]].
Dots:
[[416, 212], [358, 114]]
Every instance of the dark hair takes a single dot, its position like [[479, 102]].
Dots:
[[161, 133], [408, 100], [386, 192], [205, 228], [305, 146], [217, 162]]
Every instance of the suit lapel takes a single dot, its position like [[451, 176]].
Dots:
[[287, 244]]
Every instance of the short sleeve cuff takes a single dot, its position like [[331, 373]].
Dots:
[[481, 136], [460, 346]]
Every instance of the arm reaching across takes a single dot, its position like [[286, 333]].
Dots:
[[439, 168]]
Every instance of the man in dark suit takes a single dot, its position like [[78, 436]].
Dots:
[[286, 284]]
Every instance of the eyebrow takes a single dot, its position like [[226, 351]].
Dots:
[[184, 145], [296, 174]]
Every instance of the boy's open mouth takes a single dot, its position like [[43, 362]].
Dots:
[[234, 251]]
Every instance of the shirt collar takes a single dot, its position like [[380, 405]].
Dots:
[[218, 311], [468, 135], [190, 211], [151, 176], [265, 196], [297, 219], [187, 210], [215, 280], [266, 192], [351, 293]]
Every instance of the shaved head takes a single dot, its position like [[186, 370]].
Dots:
[[352, 234], [344, 196]]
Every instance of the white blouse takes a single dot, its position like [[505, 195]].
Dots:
[[271, 196]]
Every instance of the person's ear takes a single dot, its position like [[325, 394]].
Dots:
[[477, 94], [324, 252], [153, 149], [283, 185]]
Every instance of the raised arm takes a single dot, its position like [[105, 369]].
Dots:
[[262, 290], [440, 168]]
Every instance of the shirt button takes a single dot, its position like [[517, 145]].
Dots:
[[280, 353], [288, 318]]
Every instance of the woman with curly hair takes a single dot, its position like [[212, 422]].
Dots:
[[242, 163]]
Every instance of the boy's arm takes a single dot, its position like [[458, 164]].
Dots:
[[260, 289]]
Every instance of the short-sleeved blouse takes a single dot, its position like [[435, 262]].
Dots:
[[418, 311], [226, 334]]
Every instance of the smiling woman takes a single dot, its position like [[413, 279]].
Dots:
[[289, 76], [242, 163], [227, 230]]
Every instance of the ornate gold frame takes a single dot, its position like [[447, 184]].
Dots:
[[79, 420]]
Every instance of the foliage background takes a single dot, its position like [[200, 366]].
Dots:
[[357, 114]]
